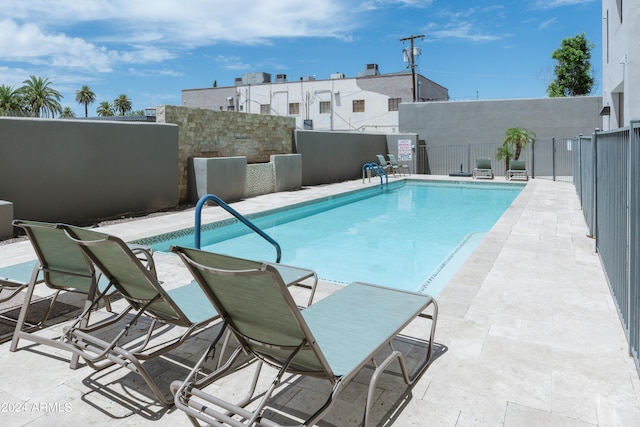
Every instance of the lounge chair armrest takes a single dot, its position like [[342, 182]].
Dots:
[[145, 254]]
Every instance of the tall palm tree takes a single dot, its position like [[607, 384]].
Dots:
[[41, 98], [123, 104], [105, 109], [11, 102], [85, 96]]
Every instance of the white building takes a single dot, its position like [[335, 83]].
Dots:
[[364, 103], [620, 62]]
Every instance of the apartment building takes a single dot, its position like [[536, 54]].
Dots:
[[368, 102], [620, 63]]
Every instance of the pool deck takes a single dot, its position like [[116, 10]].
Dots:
[[528, 335]]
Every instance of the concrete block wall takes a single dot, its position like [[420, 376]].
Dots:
[[211, 133]]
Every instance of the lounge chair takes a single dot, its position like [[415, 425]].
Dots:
[[62, 267], [483, 169], [385, 164], [398, 166], [332, 339], [517, 170], [184, 306]]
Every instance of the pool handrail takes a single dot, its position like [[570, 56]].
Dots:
[[377, 169], [212, 197]]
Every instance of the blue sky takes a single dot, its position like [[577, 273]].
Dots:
[[151, 50]]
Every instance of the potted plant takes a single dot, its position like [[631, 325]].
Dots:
[[515, 140]]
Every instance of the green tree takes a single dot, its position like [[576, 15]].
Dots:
[[573, 72], [67, 113], [515, 139], [85, 96], [40, 97], [105, 109], [11, 101], [122, 104]]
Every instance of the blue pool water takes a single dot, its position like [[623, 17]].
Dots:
[[411, 236]]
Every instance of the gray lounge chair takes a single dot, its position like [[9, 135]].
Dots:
[[483, 169], [399, 166], [184, 306], [517, 170], [332, 339], [62, 267], [385, 164]]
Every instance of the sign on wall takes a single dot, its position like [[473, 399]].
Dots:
[[404, 150]]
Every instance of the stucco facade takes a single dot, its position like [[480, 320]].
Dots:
[[620, 62], [364, 104]]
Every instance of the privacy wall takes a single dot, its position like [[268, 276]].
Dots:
[[441, 123], [77, 170]]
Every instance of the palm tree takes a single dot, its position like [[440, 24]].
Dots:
[[67, 113], [515, 140], [105, 109], [85, 96], [11, 102], [41, 98], [122, 104], [504, 153]]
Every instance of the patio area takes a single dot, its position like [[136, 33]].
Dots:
[[528, 335]]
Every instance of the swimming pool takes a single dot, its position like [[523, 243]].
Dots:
[[413, 235]]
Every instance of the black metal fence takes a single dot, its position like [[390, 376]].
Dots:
[[607, 181], [546, 159]]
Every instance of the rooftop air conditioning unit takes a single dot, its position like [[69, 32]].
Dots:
[[337, 76], [281, 78], [372, 70]]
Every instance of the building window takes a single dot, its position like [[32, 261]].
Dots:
[[265, 108], [358, 105], [294, 108], [393, 103], [325, 107], [229, 108]]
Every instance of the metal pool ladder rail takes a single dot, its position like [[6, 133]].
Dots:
[[211, 197], [377, 169]]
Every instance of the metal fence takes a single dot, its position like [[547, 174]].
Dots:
[[608, 184], [546, 159]]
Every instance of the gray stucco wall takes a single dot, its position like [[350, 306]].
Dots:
[[77, 170], [329, 157], [440, 123]]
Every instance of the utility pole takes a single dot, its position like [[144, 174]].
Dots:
[[413, 62]]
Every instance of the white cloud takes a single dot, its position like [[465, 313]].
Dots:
[[194, 22], [100, 35], [463, 30], [28, 43], [548, 23], [474, 24]]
